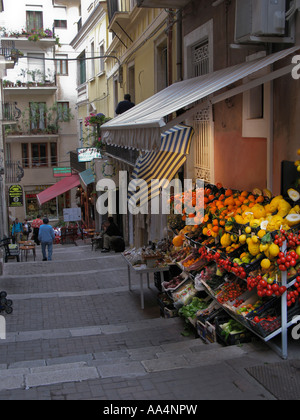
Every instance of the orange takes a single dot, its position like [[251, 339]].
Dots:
[[260, 199], [215, 229], [215, 222], [228, 192], [178, 241]]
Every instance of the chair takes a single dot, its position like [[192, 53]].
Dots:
[[10, 250], [68, 235]]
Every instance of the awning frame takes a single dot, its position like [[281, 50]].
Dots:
[[134, 129]]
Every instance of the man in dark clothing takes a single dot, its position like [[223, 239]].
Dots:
[[112, 232], [123, 106]]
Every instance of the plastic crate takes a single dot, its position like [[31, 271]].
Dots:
[[170, 313], [244, 336], [273, 308], [207, 332]]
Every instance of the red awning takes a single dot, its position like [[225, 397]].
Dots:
[[60, 187]]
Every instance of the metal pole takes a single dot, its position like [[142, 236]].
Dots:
[[284, 336]]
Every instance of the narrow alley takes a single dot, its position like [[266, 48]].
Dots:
[[76, 332]]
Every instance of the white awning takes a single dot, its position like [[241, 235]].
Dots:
[[140, 127]]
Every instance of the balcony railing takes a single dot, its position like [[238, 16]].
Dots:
[[10, 112], [14, 172], [124, 6]]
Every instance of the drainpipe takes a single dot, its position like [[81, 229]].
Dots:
[[170, 47], [270, 140], [179, 46]]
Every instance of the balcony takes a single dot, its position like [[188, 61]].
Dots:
[[161, 4], [10, 113], [42, 37], [10, 53], [118, 12], [28, 88], [13, 172]]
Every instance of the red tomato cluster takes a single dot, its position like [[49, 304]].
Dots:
[[294, 293], [292, 239], [286, 261], [264, 288], [231, 292]]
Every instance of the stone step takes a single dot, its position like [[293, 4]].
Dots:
[[122, 364]]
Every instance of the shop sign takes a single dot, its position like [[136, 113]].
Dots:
[[62, 172], [15, 194], [87, 154], [72, 215]]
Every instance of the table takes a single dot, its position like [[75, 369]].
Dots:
[[141, 270], [25, 249]]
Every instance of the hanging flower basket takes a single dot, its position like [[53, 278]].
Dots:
[[95, 119]]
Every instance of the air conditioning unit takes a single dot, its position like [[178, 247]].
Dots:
[[260, 20]]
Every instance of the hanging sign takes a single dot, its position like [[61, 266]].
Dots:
[[15, 194], [72, 215], [87, 154], [62, 172]]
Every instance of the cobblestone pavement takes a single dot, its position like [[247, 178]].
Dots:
[[77, 333]]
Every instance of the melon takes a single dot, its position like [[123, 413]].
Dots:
[[293, 194], [293, 219]]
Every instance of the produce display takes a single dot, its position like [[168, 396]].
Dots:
[[243, 248], [190, 310]]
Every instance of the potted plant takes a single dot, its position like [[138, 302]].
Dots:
[[36, 75]]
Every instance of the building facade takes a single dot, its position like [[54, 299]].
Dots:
[[232, 62], [43, 88]]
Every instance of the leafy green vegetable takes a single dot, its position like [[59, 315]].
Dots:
[[190, 310]]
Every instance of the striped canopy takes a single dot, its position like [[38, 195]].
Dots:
[[161, 166]]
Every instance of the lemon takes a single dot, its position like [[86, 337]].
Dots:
[[265, 264], [298, 250], [274, 250], [243, 239], [248, 229], [261, 233], [234, 238], [255, 239]]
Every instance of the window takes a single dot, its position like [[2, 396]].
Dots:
[[82, 68], [61, 65], [63, 111], [39, 154], [36, 67], [25, 155], [92, 61], [34, 20], [101, 60], [37, 115], [200, 57], [53, 154], [60, 24], [81, 133]]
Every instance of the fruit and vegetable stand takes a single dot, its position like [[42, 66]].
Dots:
[[243, 250], [142, 262]]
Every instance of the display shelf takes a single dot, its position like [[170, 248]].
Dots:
[[285, 323]]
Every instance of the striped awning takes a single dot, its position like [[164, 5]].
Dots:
[[140, 128], [177, 139], [154, 170]]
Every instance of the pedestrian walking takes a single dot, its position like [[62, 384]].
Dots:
[[17, 230], [123, 106], [27, 229], [36, 223], [46, 237]]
